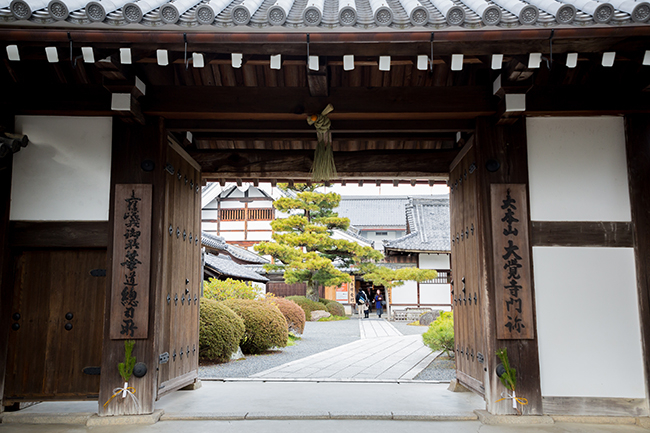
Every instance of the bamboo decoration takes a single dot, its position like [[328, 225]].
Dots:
[[323, 168]]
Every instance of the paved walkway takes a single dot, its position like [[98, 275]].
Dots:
[[382, 354]]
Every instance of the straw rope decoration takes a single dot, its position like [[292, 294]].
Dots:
[[323, 168], [509, 380], [126, 370]]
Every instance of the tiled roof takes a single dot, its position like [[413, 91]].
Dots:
[[226, 267], [314, 15], [429, 222], [218, 243], [374, 211]]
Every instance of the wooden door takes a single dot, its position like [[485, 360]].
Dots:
[[182, 279], [57, 324], [468, 295]]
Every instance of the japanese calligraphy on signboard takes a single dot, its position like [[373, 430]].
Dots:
[[131, 262], [513, 297]]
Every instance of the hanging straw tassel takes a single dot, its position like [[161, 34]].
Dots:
[[323, 168]]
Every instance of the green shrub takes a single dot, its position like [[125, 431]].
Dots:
[[325, 301], [335, 309], [265, 325], [220, 331], [220, 290], [307, 305], [440, 335], [293, 314]]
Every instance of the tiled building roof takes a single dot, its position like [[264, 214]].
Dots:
[[314, 15], [218, 243], [224, 266], [429, 225], [370, 212]]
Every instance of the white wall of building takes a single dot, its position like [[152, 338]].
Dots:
[[259, 225], [436, 294], [209, 214], [372, 236], [260, 204], [586, 298], [65, 172], [231, 205], [406, 294], [577, 169], [232, 225], [434, 261], [588, 322]]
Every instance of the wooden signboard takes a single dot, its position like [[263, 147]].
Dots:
[[512, 263], [131, 261]]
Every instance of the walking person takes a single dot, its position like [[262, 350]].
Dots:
[[362, 300], [379, 303]]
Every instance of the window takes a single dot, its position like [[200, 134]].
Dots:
[[251, 214], [381, 233], [444, 277]]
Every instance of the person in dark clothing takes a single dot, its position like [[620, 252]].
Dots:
[[362, 300], [378, 303]]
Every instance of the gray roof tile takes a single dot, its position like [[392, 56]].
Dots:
[[315, 15], [429, 226], [218, 243], [225, 266]]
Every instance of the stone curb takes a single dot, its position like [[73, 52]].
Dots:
[[46, 418], [317, 416], [96, 420], [580, 419], [488, 419]]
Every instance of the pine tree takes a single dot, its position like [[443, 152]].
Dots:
[[302, 244]]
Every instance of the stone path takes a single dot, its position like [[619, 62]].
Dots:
[[382, 354]]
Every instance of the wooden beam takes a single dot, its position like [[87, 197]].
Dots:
[[506, 144], [318, 81], [637, 134], [59, 234], [6, 268], [133, 144], [294, 103], [582, 234], [301, 126], [269, 164]]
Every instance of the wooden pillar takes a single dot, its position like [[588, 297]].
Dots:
[[506, 145], [135, 147], [6, 267], [637, 132]]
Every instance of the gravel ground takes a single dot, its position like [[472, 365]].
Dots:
[[320, 336]]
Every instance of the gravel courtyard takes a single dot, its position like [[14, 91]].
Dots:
[[318, 337]]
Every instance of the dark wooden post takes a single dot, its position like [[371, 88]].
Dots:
[[6, 267], [505, 145], [637, 134], [135, 148]]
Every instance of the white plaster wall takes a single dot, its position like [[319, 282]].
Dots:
[[434, 261], [577, 169], [232, 236], [209, 214], [231, 205], [435, 294], [406, 294], [209, 227], [260, 236], [260, 204], [588, 322], [65, 172], [232, 225], [259, 225]]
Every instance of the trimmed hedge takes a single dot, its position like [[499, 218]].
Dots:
[[440, 335], [307, 305], [220, 331], [220, 290], [335, 308], [293, 314], [265, 325]]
